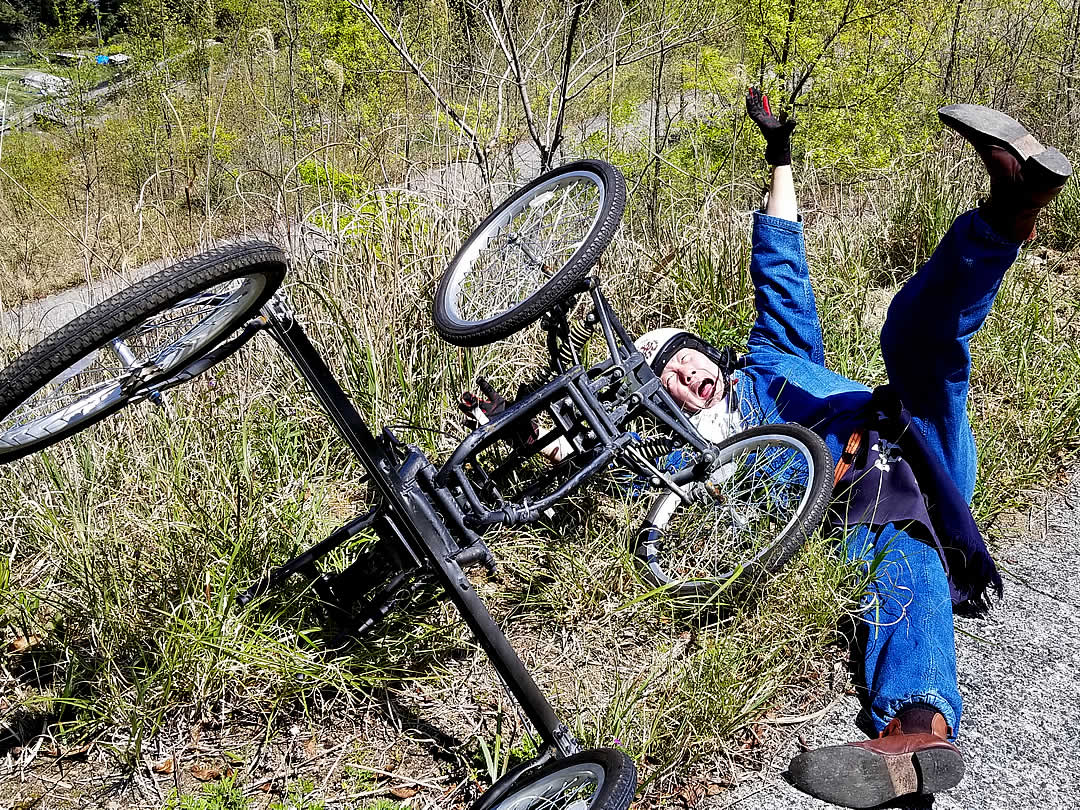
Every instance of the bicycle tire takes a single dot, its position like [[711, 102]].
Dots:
[[769, 491], [527, 292], [243, 276], [596, 779]]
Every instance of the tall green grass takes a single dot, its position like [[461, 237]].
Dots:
[[123, 549]]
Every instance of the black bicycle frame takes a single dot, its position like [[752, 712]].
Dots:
[[434, 517], [591, 408], [418, 524]]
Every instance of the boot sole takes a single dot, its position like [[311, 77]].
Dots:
[[852, 776], [980, 124]]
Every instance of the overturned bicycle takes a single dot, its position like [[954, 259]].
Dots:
[[724, 512]]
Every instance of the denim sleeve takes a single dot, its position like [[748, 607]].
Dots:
[[787, 319]]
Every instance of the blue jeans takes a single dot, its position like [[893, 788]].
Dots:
[[910, 653]]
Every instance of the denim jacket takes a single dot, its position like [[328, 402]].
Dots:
[[783, 378]]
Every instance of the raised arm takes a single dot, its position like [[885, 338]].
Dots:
[[777, 133], [787, 318], [782, 203]]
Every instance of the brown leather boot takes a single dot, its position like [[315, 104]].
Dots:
[[912, 755], [1024, 175]]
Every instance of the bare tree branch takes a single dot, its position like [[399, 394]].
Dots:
[[478, 148], [556, 137]]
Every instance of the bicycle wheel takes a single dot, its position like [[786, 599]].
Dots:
[[597, 779], [530, 253], [767, 494], [114, 353]]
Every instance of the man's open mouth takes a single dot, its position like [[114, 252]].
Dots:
[[705, 390]]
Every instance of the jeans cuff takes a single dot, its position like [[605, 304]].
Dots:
[[983, 229], [930, 698], [763, 220]]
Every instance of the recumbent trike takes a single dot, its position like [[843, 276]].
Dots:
[[725, 512]]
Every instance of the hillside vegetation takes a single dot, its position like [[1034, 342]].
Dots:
[[121, 551]]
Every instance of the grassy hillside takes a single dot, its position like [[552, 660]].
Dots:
[[123, 549]]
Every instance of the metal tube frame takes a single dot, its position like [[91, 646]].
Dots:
[[436, 515], [418, 523], [603, 400]]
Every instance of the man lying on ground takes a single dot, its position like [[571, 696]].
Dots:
[[905, 451]]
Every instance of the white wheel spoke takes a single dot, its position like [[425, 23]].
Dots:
[[740, 515], [526, 247], [116, 371]]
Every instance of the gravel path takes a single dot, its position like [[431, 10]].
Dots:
[[1018, 675], [35, 320]]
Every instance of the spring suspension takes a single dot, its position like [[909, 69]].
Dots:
[[579, 336], [655, 447]]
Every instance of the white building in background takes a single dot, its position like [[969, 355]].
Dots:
[[45, 83]]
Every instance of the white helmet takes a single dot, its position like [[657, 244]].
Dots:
[[657, 344], [660, 345]]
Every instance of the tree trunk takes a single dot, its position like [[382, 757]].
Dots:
[[946, 84]]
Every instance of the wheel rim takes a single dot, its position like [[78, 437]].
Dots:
[[571, 788], [522, 249], [105, 377], [752, 500]]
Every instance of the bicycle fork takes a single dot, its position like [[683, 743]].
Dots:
[[444, 556]]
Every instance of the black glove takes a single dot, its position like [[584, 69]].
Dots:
[[490, 403], [777, 133]]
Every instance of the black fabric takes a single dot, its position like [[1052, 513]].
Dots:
[[897, 478], [490, 404]]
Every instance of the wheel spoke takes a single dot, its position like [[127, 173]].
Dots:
[[527, 248], [572, 787], [51, 423], [153, 326], [63, 396], [114, 372], [738, 517]]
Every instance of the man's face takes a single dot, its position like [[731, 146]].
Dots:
[[693, 380]]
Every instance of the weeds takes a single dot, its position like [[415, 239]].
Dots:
[[123, 549], [128, 544], [223, 795]]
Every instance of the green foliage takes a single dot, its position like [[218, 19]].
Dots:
[[339, 32], [854, 72], [10, 15], [324, 176], [225, 794], [232, 17], [34, 169], [299, 796], [69, 15], [220, 146]]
